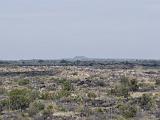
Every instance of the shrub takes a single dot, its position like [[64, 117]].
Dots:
[[128, 111], [35, 107], [125, 87], [120, 91], [4, 104], [146, 102], [19, 98], [133, 85], [67, 86]]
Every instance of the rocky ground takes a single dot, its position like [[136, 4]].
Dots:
[[79, 93]]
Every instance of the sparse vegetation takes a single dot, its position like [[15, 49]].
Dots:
[[19, 98], [89, 90]]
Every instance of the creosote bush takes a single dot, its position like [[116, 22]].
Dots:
[[19, 98]]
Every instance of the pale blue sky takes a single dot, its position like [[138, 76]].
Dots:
[[49, 29]]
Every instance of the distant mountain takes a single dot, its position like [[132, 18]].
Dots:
[[82, 58]]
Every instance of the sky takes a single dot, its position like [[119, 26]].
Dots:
[[51, 29]]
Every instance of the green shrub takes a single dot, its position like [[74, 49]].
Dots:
[[19, 98], [4, 104], [67, 86], [128, 111], [147, 102]]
